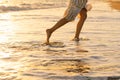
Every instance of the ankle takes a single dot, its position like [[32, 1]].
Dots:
[[75, 39]]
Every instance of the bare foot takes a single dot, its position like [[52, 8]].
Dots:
[[46, 43], [75, 39], [48, 36]]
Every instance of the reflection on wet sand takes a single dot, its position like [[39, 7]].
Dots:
[[24, 57], [44, 64], [52, 67], [115, 4]]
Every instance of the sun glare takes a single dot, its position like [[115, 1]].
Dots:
[[8, 28], [1, 0]]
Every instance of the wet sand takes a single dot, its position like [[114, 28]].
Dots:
[[96, 57]]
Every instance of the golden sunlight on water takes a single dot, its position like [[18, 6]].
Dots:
[[4, 55], [23, 55], [6, 26], [1, 0]]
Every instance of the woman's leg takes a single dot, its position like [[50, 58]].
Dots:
[[59, 24], [83, 16]]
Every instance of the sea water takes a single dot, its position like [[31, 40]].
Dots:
[[22, 34]]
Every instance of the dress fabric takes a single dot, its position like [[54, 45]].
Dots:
[[74, 7]]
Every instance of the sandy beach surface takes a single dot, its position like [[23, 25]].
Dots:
[[24, 57]]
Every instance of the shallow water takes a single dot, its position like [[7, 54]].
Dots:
[[23, 55]]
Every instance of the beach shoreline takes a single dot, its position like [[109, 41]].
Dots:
[[96, 57]]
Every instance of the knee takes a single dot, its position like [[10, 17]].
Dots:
[[83, 14]]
